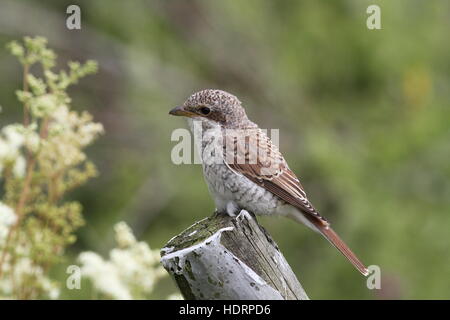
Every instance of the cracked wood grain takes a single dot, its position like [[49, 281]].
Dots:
[[223, 257]]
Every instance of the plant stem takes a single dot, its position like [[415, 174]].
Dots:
[[30, 169], [26, 119], [19, 211]]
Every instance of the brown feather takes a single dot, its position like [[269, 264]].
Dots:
[[272, 173], [270, 170], [336, 241]]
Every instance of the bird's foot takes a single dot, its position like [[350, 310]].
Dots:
[[232, 209]]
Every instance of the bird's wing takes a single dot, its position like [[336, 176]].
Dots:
[[251, 153]]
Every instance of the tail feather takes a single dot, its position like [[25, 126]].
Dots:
[[336, 241], [323, 227]]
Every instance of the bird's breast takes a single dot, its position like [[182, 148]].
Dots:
[[226, 185]]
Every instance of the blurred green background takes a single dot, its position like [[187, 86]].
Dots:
[[364, 118]]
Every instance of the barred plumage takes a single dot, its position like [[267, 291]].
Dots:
[[245, 170]]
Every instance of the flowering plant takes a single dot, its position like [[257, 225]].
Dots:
[[131, 271], [41, 159]]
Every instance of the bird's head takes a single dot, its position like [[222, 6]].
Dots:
[[215, 107]]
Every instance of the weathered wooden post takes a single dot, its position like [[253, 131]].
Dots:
[[223, 257]]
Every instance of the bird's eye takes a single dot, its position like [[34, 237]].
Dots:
[[205, 110]]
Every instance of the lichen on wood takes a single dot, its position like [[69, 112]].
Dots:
[[223, 257]]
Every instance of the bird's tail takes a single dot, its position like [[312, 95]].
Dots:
[[336, 241], [323, 227]]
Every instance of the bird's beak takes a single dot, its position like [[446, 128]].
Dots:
[[180, 111]]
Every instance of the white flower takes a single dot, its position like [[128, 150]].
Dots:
[[44, 105], [24, 266], [8, 151], [7, 219], [50, 288], [7, 215], [126, 262], [11, 141], [32, 140], [133, 267], [123, 235], [4, 148], [149, 256], [175, 296], [89, 132], [19, 167], [69, 132], [25, 269], [104, 275], [14, 135]]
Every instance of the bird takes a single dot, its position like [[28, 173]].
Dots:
[[244, 169]]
